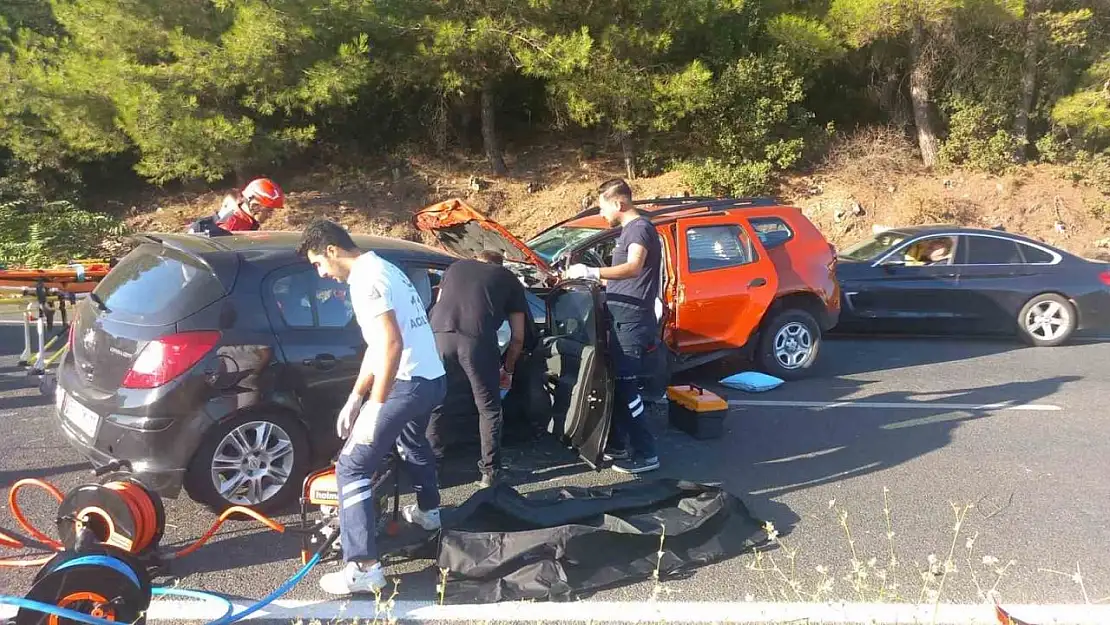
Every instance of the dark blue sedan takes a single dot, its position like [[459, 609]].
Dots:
[[954, 280]]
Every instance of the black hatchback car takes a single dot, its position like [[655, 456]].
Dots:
[[947, 279], [219, 364]]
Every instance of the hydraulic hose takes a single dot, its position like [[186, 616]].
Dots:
[[139, 505], [227, 619]]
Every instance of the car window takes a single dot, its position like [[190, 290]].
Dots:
[[991, 251], [556, 241], [929, 251], [333, 304], [877, 245], [305, 300], [771, 231], [1035, 255], [158, 285], [293, 296], [717, 247], [572, 316]]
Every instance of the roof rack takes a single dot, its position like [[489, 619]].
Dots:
[[669, 205], [703, 199]]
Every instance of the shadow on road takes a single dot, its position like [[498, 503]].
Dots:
[[8, 478], [772, 451]]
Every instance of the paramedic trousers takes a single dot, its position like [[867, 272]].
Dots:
[[402, 423], [477, 361], [629, 342]]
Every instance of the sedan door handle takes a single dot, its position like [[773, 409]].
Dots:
[[757, 282], [321, 361]]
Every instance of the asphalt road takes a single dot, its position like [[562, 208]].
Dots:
[[900, 416]]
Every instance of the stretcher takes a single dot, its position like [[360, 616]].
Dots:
[[43, 293]]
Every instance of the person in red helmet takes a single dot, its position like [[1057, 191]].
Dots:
[[243, 211]]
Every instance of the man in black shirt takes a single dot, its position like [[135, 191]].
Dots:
[[631, 290], [475, 298]]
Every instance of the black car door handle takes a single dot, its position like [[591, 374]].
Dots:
[[758, 282], [321, 361]]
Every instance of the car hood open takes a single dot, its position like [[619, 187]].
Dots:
[[463, 231]]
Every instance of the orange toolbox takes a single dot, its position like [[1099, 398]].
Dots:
[[696, 411]]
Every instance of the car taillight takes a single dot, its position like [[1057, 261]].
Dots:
[[166, 358], [1105, 277]]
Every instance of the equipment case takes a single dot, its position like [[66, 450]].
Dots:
[[696, 411]]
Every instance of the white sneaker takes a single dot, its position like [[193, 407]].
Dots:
[[428, 520], [353, 579]]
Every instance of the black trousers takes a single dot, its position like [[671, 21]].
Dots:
[[472, 364]]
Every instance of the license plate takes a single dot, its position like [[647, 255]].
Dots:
[[81, 417]]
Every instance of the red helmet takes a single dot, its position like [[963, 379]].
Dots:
[[264, 191]]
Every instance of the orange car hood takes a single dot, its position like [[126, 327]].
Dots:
[[464, 232]]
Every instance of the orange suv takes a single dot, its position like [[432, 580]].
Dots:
[[746, 275]]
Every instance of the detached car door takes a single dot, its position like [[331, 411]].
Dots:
[[726, 282], [579, 377]]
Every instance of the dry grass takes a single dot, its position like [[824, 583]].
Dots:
[[873, 178], [870, 178]]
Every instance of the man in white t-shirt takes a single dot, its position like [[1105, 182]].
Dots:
[[401, 381]]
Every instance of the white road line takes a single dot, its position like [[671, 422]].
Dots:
[[820, 480], [635, 612], [812, 454], [889, 405]]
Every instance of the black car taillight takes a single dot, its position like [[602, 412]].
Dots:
[[168, 357]]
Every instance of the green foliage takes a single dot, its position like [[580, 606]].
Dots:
[[976, 138], [808, 41], [1087, 111], [42, 235], [713, 176], [754, 126]]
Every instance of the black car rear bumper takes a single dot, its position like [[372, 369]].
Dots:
[[1094, 310], [158, 457], [165, 482]]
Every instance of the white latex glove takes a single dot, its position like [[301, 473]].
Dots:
[[347, 415], [362, 432], [577, 271]]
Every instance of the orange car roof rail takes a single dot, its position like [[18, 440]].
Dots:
[[668, 205]]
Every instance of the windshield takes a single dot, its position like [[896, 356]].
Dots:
[[876, 245], [554, 242]]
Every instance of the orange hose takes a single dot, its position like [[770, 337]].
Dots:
[[24, 563], [18, 513], [268, 522], [142, 510]]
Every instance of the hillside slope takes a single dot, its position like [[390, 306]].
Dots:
[[873, 180]]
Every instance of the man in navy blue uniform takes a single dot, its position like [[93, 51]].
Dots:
[[631, 292]]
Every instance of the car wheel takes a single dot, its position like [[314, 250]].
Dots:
[[789, 345], [1046, 320], [257, 460]]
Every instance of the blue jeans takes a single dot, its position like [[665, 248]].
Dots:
[[402, 422], [628, 342]]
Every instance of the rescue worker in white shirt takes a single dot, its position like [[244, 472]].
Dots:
[[401, 381]]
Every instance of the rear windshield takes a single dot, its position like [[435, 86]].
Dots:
[[154, 285]]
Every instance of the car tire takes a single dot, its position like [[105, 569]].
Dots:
[[789, 344], [1045, 309], [263, 462]]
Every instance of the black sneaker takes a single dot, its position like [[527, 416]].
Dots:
[[639, 465], [616, 454]]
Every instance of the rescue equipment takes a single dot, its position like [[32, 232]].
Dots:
[[696, 411]]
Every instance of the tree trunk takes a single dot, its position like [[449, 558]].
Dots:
[[489, 133], [920, 78], [629, 153], [1028, 80]]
